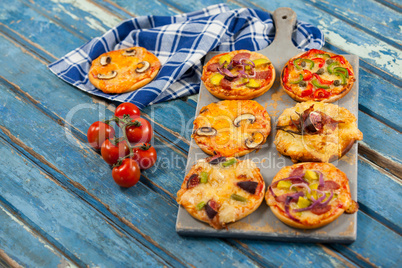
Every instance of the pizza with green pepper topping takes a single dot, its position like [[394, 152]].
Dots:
[[238, 75], [317, 75]]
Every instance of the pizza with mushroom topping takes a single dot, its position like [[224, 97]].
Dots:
[[316, 131], [317, 75], [220, 190], [238, 75], [310, 195], [123, 70], [231, 127]]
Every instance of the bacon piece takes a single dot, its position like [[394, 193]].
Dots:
[[319, 210], [239, 56], [329, 185], [263, 74], [226, 84], [213, 67]]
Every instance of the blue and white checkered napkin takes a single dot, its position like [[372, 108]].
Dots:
[[180, 42]]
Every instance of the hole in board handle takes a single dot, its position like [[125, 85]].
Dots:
[[284, 17]]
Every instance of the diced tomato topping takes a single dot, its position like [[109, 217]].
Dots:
[[307, 75], [308, 91], [321, 93], [285, 75], [320, 61], [314, 51], [339, 58], [322, 81]]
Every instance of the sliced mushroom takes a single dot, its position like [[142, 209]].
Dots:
[[108, 76], [256, 139], [249, 117], [130, 52], [105, 60], [144, 67], [206, 131]]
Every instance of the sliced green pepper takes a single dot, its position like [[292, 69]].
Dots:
[[297, 81], [204, 177], [318, 85], [331, 66], [298, 67], [229, 162], [342, 70], [342, 76], [325, 56], [238, 198], [311, 62], [200, 205]]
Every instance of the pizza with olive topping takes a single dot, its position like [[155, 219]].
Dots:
[[317, 75], [220, 190], [123, 70], [238, 75], [231, 127], [310, 195], [316, 131]]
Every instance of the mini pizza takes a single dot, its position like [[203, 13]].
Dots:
[[317, 75], [220, 190], [123, 70], [310, 195], [231, 127], [238, 75], [316, 132]]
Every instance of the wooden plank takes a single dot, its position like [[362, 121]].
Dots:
[[62, 218], [364, 15], [132, 8], [34, 252]]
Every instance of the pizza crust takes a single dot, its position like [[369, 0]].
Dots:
[[231, 140], [222, 183], [308, 220], [127, 78], [294, 90], [332, 144], [239, 92]]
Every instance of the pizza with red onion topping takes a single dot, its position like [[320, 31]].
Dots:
[[238, 75]]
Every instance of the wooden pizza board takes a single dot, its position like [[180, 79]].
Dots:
[[262, 224]]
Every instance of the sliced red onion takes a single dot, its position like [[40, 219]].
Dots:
[[303, 185], [287, 202], [293, 179], [271, 191], [329, 199], [226, 72], [243, 74], [250, 62], [321, 181]]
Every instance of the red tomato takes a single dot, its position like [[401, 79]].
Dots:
[[307, 75], [322, 81], [127, 108], [321, 93], [339, 58], [111, 152], [127, 174], [145, 156], [285, 75], [321, 62], [141, 132], [98, 132]]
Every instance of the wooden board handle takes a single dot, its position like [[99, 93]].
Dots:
[[285, 21]]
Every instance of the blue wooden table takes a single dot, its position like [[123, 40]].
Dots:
[[58, 204]]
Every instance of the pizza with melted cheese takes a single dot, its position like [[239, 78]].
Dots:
[[123, 70], [316, 131], [310, 195], [317, 75], [238, 75], [220, 190], [231, 127]]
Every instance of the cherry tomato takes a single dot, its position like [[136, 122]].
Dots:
[[127, 174], [141, 132], [127, 108], [98, 132], [145, 156], [111, 152]]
